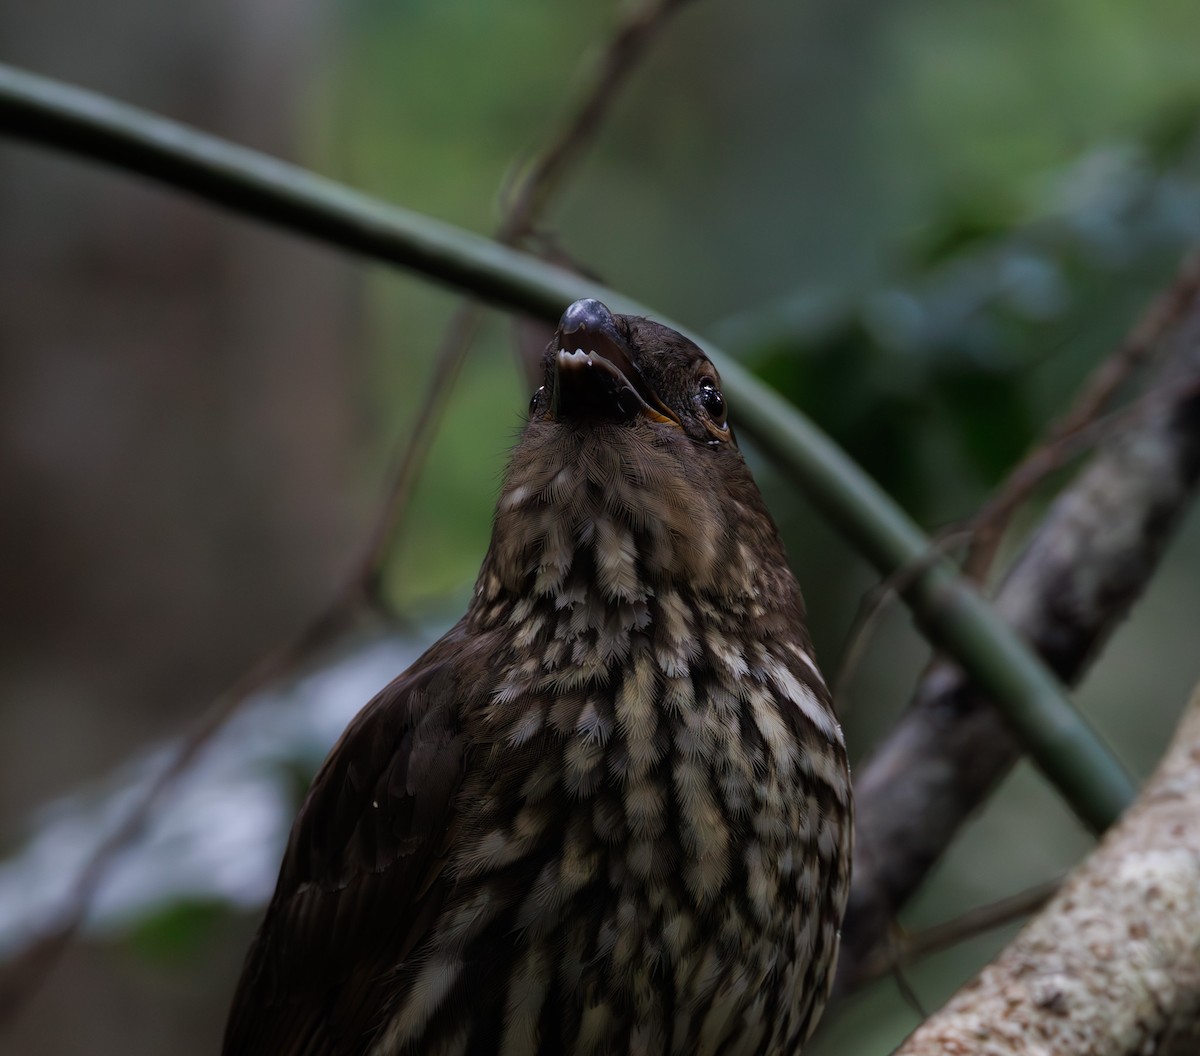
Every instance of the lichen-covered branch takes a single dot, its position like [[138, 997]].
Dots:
[[1111, 967], [1094, 553]]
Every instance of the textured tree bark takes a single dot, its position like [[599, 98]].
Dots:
[[1112, 965], [1095, 551]]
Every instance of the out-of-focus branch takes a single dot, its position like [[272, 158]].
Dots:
[[1112, 965], [1092, 556]]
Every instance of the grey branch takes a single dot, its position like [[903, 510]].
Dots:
[[1111, 967], [1093, 554]]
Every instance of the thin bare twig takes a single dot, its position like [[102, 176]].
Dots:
[[389, 522], [1053, 454], [1090, 403], [910, 948], [545, 174], [872, 606]]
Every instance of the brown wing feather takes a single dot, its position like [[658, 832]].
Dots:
[[355, 891]]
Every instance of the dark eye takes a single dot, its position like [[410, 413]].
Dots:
[[712, 401], [535, 401]]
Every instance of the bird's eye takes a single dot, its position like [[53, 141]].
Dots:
[[535, 401], [712, 401]]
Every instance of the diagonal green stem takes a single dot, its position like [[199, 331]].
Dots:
[[954, 616]]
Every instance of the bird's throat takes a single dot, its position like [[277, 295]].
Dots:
[[612, 503]]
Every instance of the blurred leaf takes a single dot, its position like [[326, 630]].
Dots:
[[865, 398], [990, 417], [962, 225], [1173, 133]]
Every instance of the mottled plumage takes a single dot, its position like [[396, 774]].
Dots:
[[609, 812]]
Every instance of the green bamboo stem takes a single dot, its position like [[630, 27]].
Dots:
[[252, 184]]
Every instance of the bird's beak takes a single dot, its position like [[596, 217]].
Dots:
[[595, 375]]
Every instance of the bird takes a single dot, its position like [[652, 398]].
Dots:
[[609, 812]]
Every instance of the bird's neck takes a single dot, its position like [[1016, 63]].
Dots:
[[590, 597], [641, 510], [582, 585], [599, 546]]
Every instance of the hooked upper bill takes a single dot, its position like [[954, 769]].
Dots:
[[595, 376]]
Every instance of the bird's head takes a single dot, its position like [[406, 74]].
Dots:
[[628, 470], [618, 369]]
